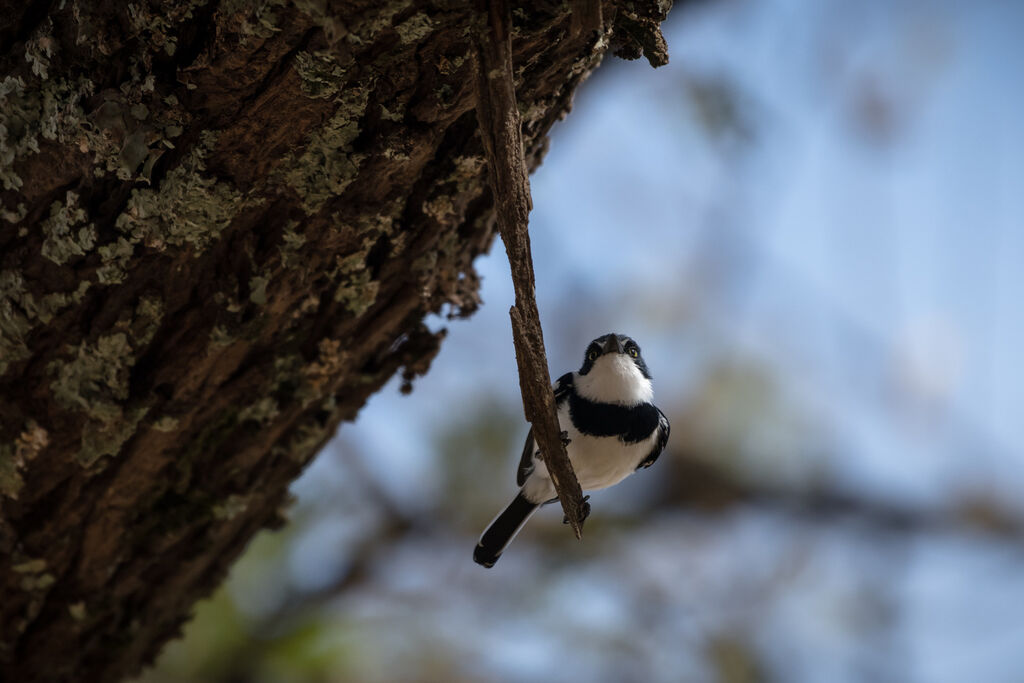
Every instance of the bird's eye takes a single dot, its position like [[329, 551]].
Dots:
[[633, 352], [591, 355]]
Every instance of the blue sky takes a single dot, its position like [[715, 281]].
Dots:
[[881, 275]]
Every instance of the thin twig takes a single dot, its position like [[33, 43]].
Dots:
[[498, 117]]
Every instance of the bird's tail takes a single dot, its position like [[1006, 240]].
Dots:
[[502, 530]]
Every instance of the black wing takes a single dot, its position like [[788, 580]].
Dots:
[[563, 387], [659, 445]]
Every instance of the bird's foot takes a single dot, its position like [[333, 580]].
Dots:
[[584, 511], [565, 438]]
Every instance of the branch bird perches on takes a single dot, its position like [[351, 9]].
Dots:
[[498, 118]]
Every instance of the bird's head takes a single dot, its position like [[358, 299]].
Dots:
[[614, 372]]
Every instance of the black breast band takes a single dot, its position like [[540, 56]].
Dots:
[[631, 424]]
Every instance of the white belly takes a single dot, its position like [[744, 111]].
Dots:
[[599, 461]]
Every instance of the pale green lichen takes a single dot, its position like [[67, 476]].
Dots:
[[322, 76], [51, 304], [77, 611], [13, 457], [323, 372], [264, 410], [37, 582], [139, 111], [101, 439], [356, 289], [415, 28], [40, 49], [379, 17], [304, 439], [95, 380], [425, 263], [115, 257], [10, 475], [258, 289], [229, 298], [67, 233], [531, 114], [187, 208], [17, 113], [15, 216], [34, 566], [109, 135], [396, 154], [388, 115], [251, 18], [333, 27], [14, 323], [357, 292], [467, 172], [328, 165], [292, 241], [49, 111], [440, 208], [20, 311], [134, 151], [220, 337], [149, 313], [449, 66], [291, 379], [444, 94], [156, 25], [166, 424], [231, 507], [125, 136]]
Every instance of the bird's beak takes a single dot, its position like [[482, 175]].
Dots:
[[612, 345]]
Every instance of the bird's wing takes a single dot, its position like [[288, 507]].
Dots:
[[659, 444], [562, 388], [526, 461]]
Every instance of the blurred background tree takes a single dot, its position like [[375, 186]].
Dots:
[[812, 224]]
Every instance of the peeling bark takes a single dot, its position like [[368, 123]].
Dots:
[[221, 227]]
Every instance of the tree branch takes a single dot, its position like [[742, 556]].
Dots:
[[498, 117], [586, 17]]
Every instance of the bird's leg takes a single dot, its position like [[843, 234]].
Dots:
[[586, 510], [565, 438]]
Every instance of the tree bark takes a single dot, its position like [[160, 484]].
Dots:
[[221, 226]]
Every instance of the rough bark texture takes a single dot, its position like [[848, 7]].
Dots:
[[500, 132], [221, 226]]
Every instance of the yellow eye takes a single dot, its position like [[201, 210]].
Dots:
[[633, 352], [591, 355]]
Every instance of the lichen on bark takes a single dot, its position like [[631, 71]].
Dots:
[[222, 224]]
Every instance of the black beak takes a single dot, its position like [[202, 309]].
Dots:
[[612, 345]]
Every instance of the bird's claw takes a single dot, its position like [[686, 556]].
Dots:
[[565, 438], [584, 511]]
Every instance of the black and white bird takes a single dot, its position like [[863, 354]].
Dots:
[[612, 427]]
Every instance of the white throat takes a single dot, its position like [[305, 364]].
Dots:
[[614, 378]]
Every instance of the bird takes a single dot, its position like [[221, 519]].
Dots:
[[610, 427]]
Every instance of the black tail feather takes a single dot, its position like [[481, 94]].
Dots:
[[502, 530]]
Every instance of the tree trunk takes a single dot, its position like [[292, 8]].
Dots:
[[221, 226]]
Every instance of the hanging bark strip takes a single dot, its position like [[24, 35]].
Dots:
[[498, 117]]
